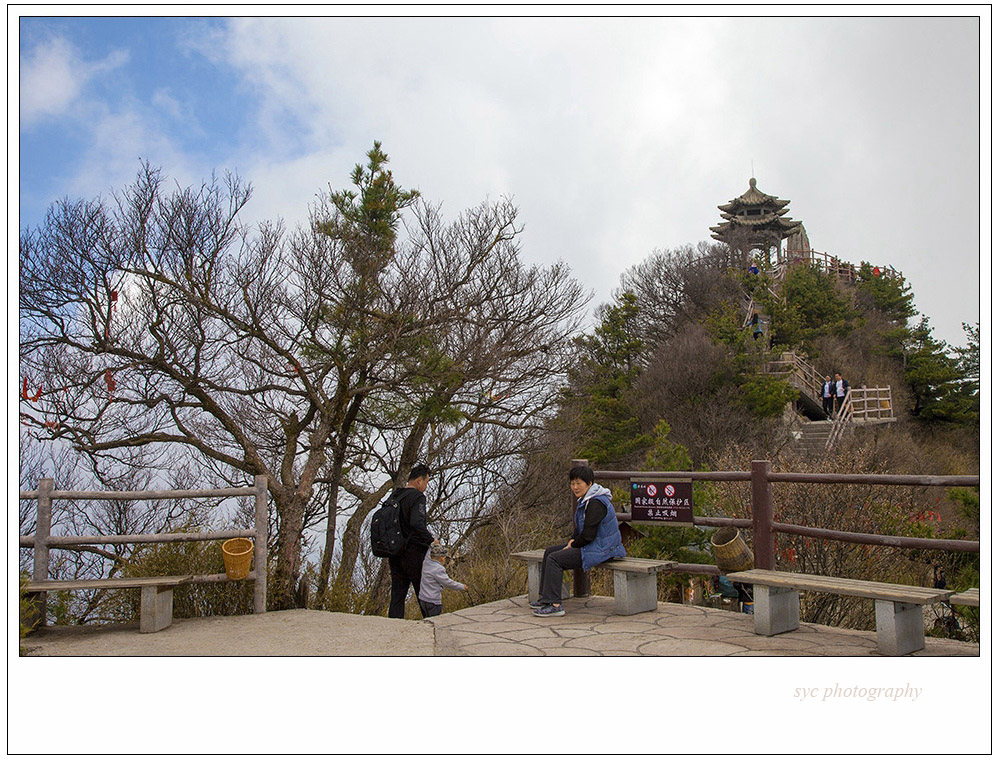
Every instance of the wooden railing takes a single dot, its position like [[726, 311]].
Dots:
[[843, 270], [798, 372], [42, 540], [841, 420], [762, 522], [871, 403]]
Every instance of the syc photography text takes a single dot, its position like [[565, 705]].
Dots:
[[868, 693]]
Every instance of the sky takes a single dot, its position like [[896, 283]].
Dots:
[[615, 136]]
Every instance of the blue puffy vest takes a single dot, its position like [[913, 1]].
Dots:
[[607, 543]]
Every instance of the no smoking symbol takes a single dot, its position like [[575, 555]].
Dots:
[[669, 490], [652, 490]]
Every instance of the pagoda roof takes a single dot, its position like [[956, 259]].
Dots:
[[783, 227], [753, 197]]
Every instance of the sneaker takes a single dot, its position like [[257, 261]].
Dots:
[[537, 605], [548, 610]]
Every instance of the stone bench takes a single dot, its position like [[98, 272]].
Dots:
[[635, 580], [156, 607], [899, 615], [968, 598]]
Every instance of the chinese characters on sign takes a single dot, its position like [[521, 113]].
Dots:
[[661, 502]]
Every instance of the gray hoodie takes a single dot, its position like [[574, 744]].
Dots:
[[434, 578]]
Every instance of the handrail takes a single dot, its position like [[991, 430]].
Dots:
[[43, 540], [763, 524], [837, 266], [844, 416], [800, 373]]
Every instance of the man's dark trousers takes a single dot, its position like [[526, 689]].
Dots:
[[406, 569]]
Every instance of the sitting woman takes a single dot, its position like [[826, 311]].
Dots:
[[595, 539]]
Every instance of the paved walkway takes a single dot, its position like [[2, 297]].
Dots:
[[502, 628], [508, 627]]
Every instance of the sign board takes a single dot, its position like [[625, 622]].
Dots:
[[661, 502]]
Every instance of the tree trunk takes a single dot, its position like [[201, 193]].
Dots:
[[352, 536], [380, 591], [281, 591], [338, 459]]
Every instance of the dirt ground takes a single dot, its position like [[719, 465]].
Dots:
[[285, 633]]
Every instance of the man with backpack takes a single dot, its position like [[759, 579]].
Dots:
[[406, 567]]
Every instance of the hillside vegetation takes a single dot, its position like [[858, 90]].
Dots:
[[670, 379]]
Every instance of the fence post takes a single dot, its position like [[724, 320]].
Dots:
[[43, 529], [582, 582], [761, 515], [260, 548]]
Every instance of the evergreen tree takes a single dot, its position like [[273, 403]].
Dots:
[[932, 375], [890, 295], [612, 358], [810, 307]]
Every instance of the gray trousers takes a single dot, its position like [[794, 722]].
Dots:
[[556, 560]]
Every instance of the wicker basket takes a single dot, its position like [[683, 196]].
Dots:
[[732, 553], [238, 554]]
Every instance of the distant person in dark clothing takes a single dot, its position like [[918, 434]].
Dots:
[[406, 568], [596, 538], [827, 395]]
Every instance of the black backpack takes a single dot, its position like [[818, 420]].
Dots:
[[386, 538]]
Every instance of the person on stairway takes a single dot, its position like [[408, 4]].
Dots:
[[827, 396], [840, 391]]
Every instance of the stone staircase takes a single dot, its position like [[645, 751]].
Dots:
[[814, 433], [811, 438]]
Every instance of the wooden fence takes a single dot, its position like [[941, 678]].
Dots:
[[763, 525], [843, 270], [42, 541]]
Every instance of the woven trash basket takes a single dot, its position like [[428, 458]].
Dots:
[[238, 554], [732, 553]]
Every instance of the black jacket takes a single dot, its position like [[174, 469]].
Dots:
[[412, 504]]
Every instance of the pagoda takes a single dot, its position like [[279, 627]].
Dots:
[[756, 220]]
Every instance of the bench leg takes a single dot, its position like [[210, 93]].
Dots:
[[777, 610], [156, 609], [899, 627], [635, 592], [533, 583]]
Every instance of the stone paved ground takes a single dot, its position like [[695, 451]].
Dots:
[[590, 628], [506, 627]]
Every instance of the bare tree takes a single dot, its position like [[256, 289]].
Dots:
[[158, 321], [676, 287]]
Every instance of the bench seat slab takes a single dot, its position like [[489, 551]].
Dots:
[[968, 598], [777, 610], [843, 586]]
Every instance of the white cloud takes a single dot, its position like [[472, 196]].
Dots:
[[613, 136], [618, 136], [53, 75]]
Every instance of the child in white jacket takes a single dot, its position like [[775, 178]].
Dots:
[[434, 578]]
